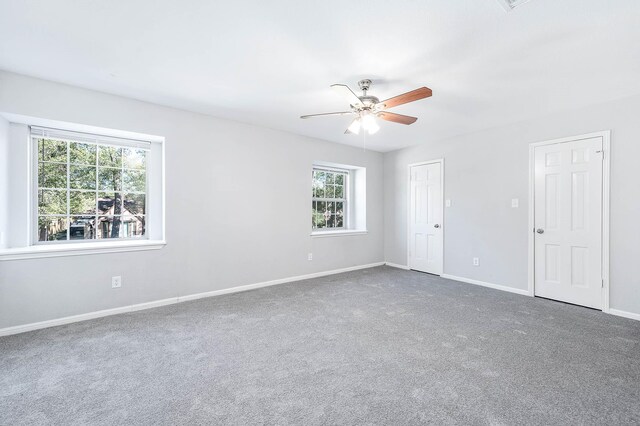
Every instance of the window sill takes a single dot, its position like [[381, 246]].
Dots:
[[339, 233], [80, 249]]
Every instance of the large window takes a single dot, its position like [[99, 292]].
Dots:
[[89, 188], [330, 199]]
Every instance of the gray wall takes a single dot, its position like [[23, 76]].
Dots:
[[4, 179], [485, 170], [238, 209]]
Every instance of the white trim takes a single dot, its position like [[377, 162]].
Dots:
[[486, 284], [395, 265], [81, 128], [341, 233], [442, 225], [39, 251], [624, 314], [156, 303], [606, 179]]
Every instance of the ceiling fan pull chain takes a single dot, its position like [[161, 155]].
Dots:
[[364, 140]]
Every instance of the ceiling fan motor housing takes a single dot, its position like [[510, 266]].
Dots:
[[364, 85], [368, 102]]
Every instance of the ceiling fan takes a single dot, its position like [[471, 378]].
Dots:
[[367, 107]]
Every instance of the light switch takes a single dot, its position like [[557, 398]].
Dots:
[[447, 203], [515, 202]]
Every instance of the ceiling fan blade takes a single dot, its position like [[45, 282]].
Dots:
[[414, 95], [397, 118], [327, 113], [347, 93]]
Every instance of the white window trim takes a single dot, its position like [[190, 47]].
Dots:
[[38, 251], [339, 233], [28, 250]]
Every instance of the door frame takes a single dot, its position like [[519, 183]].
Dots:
[[424, 163], [606, 175]]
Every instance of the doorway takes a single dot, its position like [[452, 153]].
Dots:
[[569, 220], [426, 240]]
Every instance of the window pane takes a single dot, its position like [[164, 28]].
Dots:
[[109, 203], [134, 204], [313, 214], [318, 184], [339, 192], [82, 227], [110, 179], [52, 150], [134, 158], [339, 215], [108, 227], [52, 175], [52, 201], [329, 216], [340, 179], [82, 203], [320, 219], [330, 178], [134, 180], [52, 228], [132, 226], [329, 191], [82, 177], [82, 153], [109, 156], [318, 192]]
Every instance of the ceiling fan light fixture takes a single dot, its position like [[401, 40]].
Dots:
[[369, 124], [355, 126]]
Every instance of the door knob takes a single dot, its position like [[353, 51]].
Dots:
[[540, 231], [436, 226]]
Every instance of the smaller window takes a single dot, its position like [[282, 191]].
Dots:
[[330, 204]]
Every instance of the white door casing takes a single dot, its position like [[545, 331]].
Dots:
[[425, 242], [568, 221]]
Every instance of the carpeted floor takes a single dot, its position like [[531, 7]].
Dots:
[[377, 346]]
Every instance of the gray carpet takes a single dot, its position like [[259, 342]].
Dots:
[[377, 346]]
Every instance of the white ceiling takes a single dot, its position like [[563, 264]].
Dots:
[[267, 62]]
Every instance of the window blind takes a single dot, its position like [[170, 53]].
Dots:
[[67, 135]]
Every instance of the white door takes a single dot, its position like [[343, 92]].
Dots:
[[568, 222], [425, 218]]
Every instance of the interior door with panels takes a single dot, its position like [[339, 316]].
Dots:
[[425, 218], [568, 221]]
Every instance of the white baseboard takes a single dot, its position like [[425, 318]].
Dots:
[[486, 284], [395, 265], [625, 314], [156, 303]]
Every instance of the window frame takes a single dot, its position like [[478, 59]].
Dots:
[[35, 188], [346, 213], [34, 199]]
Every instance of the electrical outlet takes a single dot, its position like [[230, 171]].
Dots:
[[310, 256], [116, 282], [476, 261], [447, 203], [515, 203]]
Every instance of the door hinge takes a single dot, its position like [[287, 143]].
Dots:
[[603, 283]]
